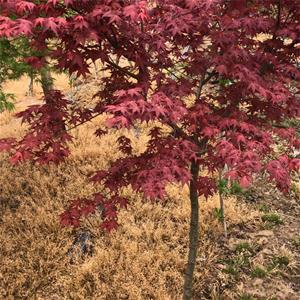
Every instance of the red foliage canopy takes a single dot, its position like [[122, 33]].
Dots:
[[199, 68]]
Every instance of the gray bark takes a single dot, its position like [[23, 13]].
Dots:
[[193, 234]]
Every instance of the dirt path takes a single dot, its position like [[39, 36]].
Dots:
[[20, 87]]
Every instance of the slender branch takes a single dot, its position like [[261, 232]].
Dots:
[[222, 207], [115, 37], [203, 81], [85, 121], [288, 15], [278, 19], [180, 132], [279, 13], [173, 74], [122, 69]]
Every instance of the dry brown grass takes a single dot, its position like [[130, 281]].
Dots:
[[144, 259], [20, 88]]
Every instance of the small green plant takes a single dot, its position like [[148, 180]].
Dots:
[[259, 272], [245, 297], [296, 241], [223, 186], [294, 188], [231, 270], [234, 266], [263, 208], [272, 219], [242, 247], [217, 213], [235, 188], [280, 261], [230, 188]]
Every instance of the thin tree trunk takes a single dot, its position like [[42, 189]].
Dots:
[[30, 89], [193, 234], [46, 81], [222, 208]]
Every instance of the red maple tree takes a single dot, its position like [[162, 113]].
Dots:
[[199, 68]]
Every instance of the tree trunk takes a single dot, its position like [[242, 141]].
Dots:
[[193, 234], [30, 88], [222, 210], [46, 81], [222, 207]]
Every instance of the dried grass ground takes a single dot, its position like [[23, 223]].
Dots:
[[144, 259]]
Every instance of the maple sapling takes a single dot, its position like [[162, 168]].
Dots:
[[213, 78]]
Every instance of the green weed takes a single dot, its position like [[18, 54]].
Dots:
[[259, 272], [280, 261], [272, 219], [242, 247], [263, 208], [234, 266], [296, 241], [245, 297]]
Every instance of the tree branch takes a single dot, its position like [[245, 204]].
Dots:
[[279, 13], [85, 121], [180, 132], [116, 66], [203, 81]]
